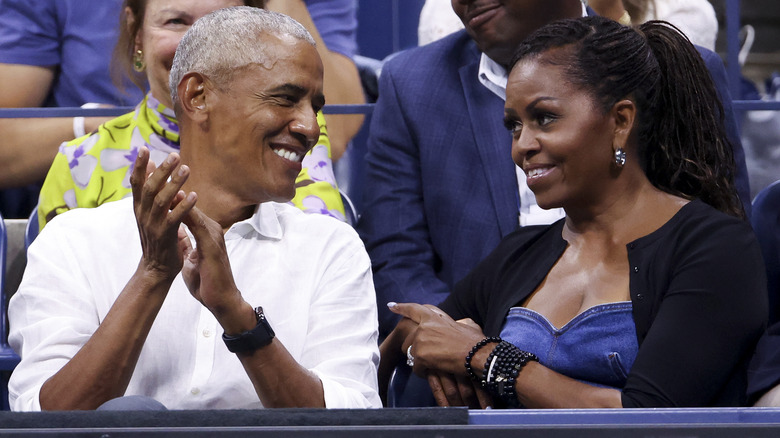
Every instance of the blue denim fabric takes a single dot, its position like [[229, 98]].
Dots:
[[598, 346]]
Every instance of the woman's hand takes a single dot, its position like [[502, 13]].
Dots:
[[452, 390], [439, 346], [439, 343], [160, 205], [391, 354], [457, 390]]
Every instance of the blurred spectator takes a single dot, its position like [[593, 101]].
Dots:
[[437, 20], [52, 53], [95, 169], [58, 52], [695, 18]]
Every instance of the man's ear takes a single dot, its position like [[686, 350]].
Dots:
[[192, 96], [624, 114]]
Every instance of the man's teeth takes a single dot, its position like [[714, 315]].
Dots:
[[288, 155], [536, 171]]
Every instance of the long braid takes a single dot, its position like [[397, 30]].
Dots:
[[692, 156]]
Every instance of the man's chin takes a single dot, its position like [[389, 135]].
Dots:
[[284, 197]]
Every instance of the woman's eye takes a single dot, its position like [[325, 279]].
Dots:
[[545, 119], [514, 126]]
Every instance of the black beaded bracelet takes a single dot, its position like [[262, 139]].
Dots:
[[474, 350], [507, 361]]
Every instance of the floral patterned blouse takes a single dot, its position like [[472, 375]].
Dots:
[[95, 169]]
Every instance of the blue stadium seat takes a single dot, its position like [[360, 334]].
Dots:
[[31, 230], [8, 358], [766, 224], [764, 373], [349, 209]]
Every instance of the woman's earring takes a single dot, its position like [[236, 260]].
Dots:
[[138, 61], [620, 157]]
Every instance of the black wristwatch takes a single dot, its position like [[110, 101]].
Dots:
[[251, 340]]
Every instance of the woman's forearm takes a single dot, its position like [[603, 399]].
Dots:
[[29, 146]]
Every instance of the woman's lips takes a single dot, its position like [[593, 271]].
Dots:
[[536, 173]]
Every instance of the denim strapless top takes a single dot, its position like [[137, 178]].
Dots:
[[598, 346]]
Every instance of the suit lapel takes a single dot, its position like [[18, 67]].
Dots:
[[493, 142]]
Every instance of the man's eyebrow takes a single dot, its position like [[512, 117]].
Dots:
[[289, 88]]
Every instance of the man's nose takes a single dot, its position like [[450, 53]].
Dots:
[[307, 126]]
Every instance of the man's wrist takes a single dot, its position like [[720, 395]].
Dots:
[[155, 273], [250, 340], [236, 320]]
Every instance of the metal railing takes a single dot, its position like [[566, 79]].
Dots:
[[15, 113]]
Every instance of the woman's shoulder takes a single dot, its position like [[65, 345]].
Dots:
[[699, 230], [699, 218]]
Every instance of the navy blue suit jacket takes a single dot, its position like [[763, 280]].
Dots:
[[441, 188]]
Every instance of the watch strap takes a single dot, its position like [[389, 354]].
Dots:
[[251, 340]]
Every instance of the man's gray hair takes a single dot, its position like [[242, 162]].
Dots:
[[226, 40]]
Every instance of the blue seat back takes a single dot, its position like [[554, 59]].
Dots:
[[8, 358], [31, 231], [766, 224]]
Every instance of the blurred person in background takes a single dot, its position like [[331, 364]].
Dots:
[[695, 18], [95, 169], [57, 53]]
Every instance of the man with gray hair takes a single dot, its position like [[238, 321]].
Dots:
[[123, 303]]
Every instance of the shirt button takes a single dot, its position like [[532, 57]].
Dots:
[[206, 333], [194, 391], [636, 268], [640, 296]]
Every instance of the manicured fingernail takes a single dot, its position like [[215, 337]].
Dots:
[[392, 304], [182, 170]]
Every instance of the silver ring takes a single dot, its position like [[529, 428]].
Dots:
[[409, 357]]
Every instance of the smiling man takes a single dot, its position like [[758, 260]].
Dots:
[[122, 306]]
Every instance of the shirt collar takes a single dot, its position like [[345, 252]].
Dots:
[[494, 76], [264, 221]]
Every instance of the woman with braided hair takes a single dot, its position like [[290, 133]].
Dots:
[[651, 291]]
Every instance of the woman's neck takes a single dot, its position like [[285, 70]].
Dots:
[[625, 217]]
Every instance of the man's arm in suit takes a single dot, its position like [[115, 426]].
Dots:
[[718, 73], [393, 224]]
